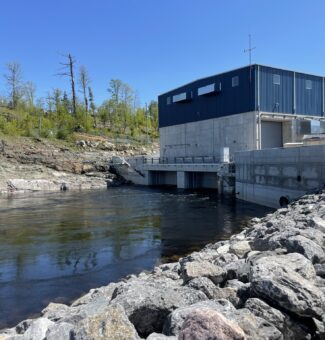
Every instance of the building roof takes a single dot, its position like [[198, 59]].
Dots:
[[235, 69]]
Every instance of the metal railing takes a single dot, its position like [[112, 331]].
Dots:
[[183, 160]]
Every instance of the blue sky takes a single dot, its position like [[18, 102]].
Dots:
[[156, 45]]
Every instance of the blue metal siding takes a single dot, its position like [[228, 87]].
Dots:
[[273, 97], [309, 101], [254, 93], [230, 100]]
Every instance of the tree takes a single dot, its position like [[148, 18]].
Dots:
[[14, 82], [84, 81], [153, 112], [115, 88], [66, 102], [68, 71], [121, 103], [92, 105], [29, 92], [57, 93], [91, 100]]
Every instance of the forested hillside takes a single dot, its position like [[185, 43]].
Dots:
[[61, 114]]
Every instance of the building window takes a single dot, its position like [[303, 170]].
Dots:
[[181, 97], [235, 81], [276, 79], [169, 100], [309, 85], [208, 89]]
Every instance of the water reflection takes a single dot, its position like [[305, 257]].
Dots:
[[54, 247]]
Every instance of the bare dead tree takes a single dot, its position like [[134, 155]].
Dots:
[[67, 70], [13, 78], [29, 92], [84, 82]]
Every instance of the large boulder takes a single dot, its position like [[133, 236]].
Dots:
[[300, 244], [214, 292], [240, 248], [192, 270], [111, 325], [253, 327], [291, 328], [207, 323], [286, 283], [37, 329], [62, 331], [147, 303]]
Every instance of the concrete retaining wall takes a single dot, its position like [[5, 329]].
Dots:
[[206, 137], [264, 176]]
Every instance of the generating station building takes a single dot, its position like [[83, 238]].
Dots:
[[254, 107], [244, 131]]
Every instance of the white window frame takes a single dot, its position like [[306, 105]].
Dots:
[[276, 78], [309, 84], [235, 81], [180, 97], [201, 91]]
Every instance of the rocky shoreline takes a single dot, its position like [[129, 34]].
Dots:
[[28, 165], [267, 282]]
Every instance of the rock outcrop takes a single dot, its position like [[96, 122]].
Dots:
[[265, 283], [43, 165]]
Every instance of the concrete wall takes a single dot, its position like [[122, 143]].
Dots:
[[264, 176], [206, 137]]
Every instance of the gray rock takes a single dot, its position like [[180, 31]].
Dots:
[[111, 325], [263, 310], [147, 303], [37, 329], [55, 311], [300, 244], [253, 327], [290, 328], [102, 293], [295, 261], [205, 285], [238, 270], [213, 292], [240, 248], [224, 259], [318, 223], [175, 320], [277, 279], [191, 270], [61, 331], [320, 269], [207, 323]]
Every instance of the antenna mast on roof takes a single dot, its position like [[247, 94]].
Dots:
[[249, 50]]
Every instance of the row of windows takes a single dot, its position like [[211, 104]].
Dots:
[[234, 82], [277, 81]]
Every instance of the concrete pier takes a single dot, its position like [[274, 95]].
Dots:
[[274, 176]]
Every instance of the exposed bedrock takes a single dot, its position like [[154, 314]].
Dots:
[[268, 282]]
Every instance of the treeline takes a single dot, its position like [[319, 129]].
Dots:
[[61, 114]]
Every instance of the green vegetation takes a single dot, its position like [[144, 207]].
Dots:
[[60, 115]]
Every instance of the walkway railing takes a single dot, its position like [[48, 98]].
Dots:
[[183, 160], [138, 161]]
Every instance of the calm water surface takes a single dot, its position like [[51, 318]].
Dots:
[[55, 247]]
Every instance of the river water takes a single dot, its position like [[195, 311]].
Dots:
[[55, 247]]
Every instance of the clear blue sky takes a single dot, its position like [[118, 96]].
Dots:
[[156, 45]]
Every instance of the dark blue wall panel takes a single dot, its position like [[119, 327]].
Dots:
[[230, 100], [308, 101], [256, 85], [274, 97]]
